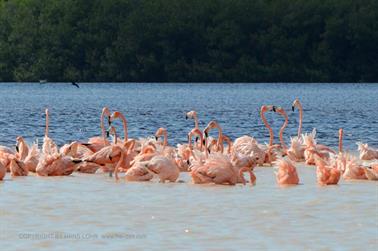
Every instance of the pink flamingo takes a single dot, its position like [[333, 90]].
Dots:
[[107, 156], [6, 154], [138, 172], [366, 152], [96, 143], [51, 162], [329, 174], [286, 173], [216, 168], [17, 168], [164, 167], [29, 157], [371, 172], [291, 152]]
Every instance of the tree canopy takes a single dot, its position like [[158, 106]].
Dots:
[[189, 40]]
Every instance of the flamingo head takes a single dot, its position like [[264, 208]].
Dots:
[[266, 108], [161, 131], [296, 103], [190, 115]]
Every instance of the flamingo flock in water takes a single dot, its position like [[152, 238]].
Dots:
[[208, 160]]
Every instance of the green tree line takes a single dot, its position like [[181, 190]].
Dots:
[[189, 40]]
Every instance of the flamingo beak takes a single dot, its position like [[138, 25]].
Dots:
[[17, 149], [156, 138], [206, 134], [204, 141], [292, 108], [186, 117], [274, 108], [188, 162], [197, 139], [109, 120], [107, 134]]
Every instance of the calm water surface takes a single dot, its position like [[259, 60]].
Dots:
[[93, 212]]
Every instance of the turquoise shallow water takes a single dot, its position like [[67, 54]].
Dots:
[[93, 212]]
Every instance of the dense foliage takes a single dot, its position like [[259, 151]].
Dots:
[[189, 40]]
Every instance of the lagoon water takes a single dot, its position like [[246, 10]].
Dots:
[[92, 212]]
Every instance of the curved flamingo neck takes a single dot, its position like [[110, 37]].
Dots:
[[282, 130], [340, 140], [47, 123], [271, 135], [300, 108], [103, 132], [220, 139], [165, 135], [206, 150], [124, 124]]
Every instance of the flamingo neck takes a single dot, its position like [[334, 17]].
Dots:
[[340, 141], [206, 150], [220, 139], [124, 124], [282, 130], [271, 136], [195, 120], [300, 108], [47, 124], [103, 132], [165, 142]]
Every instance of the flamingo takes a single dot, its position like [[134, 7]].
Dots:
[[51, 162], [18, 168], [215, 168], [29, 157], [6, 154], [286, 173], [164, 167], [329, 173], [138, 172], [371, 172], [107, 156], [96, 143], [366, 152], [293, 152]]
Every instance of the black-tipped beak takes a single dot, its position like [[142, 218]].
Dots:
[[156, 138], [76, 161], [109, 121], [188, 162], [274, 108], [17, 149], [107, 134], [197, 139], [292, 108], [186, 116], [208, 150], [206, 134], [203, 141]]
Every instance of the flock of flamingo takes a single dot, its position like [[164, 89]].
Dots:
[[208, 160]]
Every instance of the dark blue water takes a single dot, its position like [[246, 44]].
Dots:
[[74, 113]]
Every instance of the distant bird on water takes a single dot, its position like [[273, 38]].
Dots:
[[74, 84], [43, 81]]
